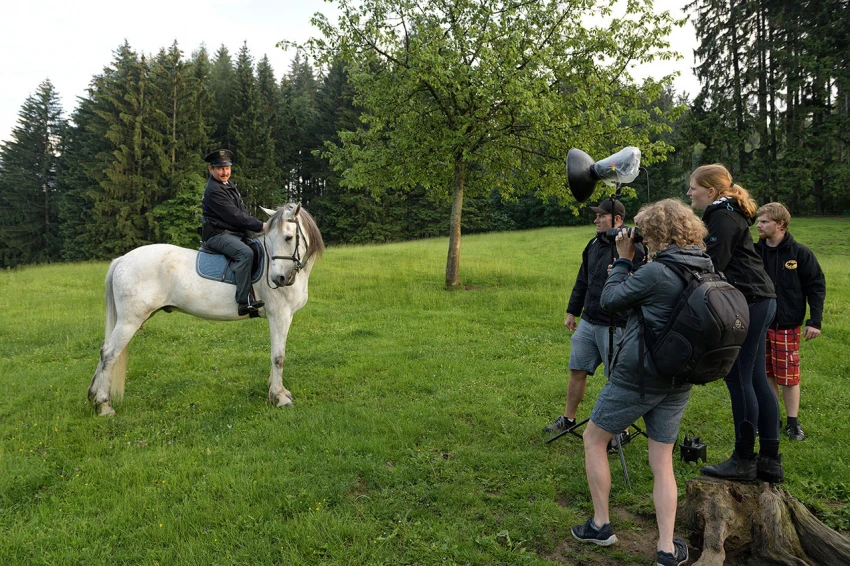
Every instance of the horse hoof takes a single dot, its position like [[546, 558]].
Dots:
[[284, 402], [106, 410]]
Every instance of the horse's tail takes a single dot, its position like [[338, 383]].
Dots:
[[119, 370]]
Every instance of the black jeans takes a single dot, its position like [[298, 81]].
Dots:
[[753, 401], [242, 255]]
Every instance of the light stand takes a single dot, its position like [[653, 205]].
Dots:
[[582, 175]]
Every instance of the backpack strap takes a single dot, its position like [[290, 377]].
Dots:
[[641, 348]]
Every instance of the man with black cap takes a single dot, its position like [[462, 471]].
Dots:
[[589, 344], [226, 225]]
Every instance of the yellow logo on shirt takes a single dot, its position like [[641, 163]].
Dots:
[[791, 264]]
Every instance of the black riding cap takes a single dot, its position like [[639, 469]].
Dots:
[[219, 158]]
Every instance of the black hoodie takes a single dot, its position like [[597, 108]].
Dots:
[[730, 247], [595, 259], [798, 277]]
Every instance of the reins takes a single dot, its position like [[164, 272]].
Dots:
[[295, 257]]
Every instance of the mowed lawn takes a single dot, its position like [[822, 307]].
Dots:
[[416, 432]]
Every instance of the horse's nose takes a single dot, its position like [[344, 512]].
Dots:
[[280, 281]]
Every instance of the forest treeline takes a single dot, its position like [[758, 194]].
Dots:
[[126, 168]]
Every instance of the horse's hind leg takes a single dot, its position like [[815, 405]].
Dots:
[[112, 367]]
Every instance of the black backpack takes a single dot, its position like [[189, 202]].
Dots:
[[708, 326]]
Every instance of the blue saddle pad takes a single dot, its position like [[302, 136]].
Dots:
[[216, 266]]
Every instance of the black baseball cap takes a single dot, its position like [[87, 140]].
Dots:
[[605, 208]]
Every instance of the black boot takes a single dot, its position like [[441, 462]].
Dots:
[[770, 469], [735, 468], [251, 308]]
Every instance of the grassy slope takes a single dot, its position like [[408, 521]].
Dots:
[[416, 432]]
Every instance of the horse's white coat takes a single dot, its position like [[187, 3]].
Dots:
[[152, 277]]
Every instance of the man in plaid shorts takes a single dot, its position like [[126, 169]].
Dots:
[[798, 279]]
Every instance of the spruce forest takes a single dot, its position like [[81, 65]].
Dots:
[[124, 168]]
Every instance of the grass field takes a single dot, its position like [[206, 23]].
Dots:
[[416, 432]]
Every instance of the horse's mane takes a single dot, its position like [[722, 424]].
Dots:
[[311, 230]]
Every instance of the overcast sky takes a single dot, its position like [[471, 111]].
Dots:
[[70, 42]]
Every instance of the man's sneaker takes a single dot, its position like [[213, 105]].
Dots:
[[795, 432], [679, 556], [624, 439], [589, 532], [561, 423]]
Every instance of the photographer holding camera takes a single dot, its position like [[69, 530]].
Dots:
[[590, 341], [675, 234]]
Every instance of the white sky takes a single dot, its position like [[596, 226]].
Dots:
[[71, 41]]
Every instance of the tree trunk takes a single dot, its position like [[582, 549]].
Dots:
[[757, 523], [453, 261], [738, 84]]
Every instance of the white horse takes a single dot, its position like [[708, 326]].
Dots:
[[162, 277]]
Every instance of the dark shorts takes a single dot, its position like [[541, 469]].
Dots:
[[617, 407]]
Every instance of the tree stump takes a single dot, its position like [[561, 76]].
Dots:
[[757, 523]]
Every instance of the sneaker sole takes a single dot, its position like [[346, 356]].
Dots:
[[606, 542]]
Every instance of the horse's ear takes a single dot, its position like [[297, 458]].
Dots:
[[293, 212], [268, 211]]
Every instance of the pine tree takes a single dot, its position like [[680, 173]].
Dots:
[[76, 186], [133, 175], [181, 89], [252, 143], [29, 203], [222, 82], [300, 89]]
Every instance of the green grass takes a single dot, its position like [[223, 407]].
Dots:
[[416, 432]]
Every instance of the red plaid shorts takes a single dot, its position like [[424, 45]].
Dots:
[[782, 355]]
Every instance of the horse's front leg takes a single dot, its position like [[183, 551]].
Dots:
[[279, 328]]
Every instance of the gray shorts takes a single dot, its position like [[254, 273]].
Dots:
[[617, 407], [589, 346]]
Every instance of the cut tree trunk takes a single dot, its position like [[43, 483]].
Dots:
[[757, 523]]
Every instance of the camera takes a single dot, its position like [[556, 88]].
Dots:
[[612, 233]]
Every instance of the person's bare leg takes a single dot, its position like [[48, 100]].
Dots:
[[576, 386], [791, 397], [598, 470], [664, 492]]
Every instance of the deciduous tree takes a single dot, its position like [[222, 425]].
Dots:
[[464, 97]]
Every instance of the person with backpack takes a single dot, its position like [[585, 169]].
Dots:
[[798, 278], [635, 389], [729, 211]]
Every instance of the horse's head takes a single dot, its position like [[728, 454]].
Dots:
[[291, 238]]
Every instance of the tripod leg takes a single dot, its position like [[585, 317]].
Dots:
[[623, 460], [570, 430]]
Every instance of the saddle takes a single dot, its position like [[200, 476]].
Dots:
[[216, 266]]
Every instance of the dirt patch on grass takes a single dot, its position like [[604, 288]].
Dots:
[[636, 538]]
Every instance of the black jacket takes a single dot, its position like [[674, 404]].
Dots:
[[595, 259], [798, 278], [655, 289], [223, 207], [730, 247]]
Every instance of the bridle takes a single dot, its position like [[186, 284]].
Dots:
[[294, 258]]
